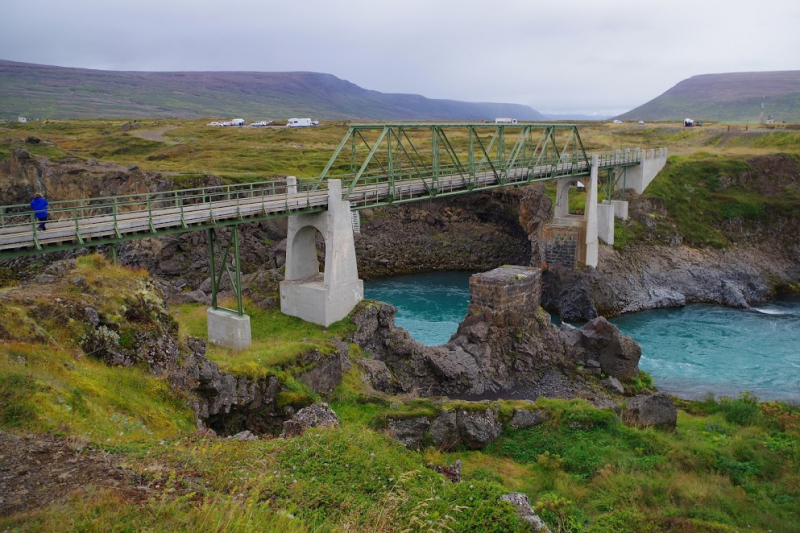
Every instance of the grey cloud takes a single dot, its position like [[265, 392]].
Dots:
[[581, 56]]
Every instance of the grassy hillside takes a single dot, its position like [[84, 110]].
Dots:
[[734, 97], [116, 448], [47, 92]]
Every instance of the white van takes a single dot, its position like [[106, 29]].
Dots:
[[299, 122], [505, 121]]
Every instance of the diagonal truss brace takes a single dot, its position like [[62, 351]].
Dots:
[[233, 272]]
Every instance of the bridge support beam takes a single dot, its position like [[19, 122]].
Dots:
[[322, 298], [590, 215], [229, 328], [605, 222]]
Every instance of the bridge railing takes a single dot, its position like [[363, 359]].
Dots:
[[78, 214], [128, 203]]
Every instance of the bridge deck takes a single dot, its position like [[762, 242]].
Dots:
[[85, 223]]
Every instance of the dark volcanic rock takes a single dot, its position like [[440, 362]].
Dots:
[[506, 343], [599, 340], [408, 431], [651, 410], [477, 428], [525, 418], [473, 427]]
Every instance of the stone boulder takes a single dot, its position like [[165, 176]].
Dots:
[[478, 428], [324, 371], [613, 384], [601, 341], [651, 410], [377, 373], [525, 511], [319, 415]]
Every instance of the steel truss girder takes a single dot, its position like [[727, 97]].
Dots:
[[390, 155], [215, 250]]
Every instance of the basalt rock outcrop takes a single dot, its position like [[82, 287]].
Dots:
[[229, 403], [505, 343], [476, 232], [121, 319]]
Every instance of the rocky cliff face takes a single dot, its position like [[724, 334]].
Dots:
[[652, 276], [475, 232]]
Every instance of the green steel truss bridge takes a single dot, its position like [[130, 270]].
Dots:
[[378, 164]]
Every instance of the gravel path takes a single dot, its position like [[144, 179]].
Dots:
[[155, 135]]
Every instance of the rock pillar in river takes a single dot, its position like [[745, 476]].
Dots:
[[506, 296]]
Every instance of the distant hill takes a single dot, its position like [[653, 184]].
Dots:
[[575, 116], [727, 97], [41, 91]]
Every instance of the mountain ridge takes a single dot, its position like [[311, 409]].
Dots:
[[44, 91], [732, 96]]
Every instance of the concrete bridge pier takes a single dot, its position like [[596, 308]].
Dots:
[[574, 237], [638, 177], [591, 215], [322, 298]]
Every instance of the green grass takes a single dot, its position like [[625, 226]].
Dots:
[[278, 339], [700, 204], [732, 465]]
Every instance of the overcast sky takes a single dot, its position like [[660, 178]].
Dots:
[[581, 56]]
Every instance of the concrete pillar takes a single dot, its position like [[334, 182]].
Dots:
[[291, 184], [305, 292], [590, 215], [228, 329], [605, 222], [562, 196], [620, 209]]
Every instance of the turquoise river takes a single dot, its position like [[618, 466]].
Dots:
[[690, 352]]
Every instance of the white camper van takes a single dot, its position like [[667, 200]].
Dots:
[[237, 122], [505, 121], [301, 122]]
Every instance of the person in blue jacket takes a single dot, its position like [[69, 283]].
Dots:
[[39, 206]]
